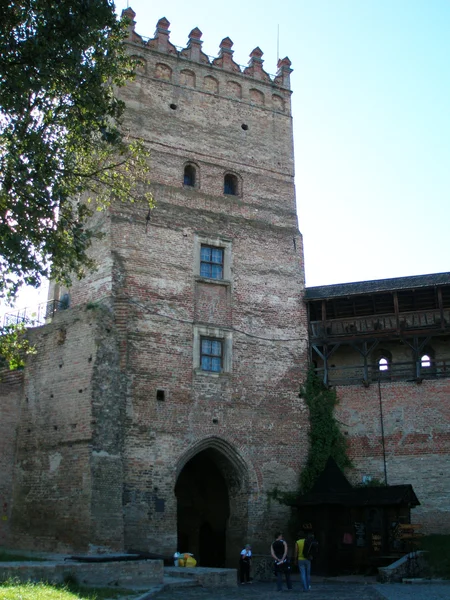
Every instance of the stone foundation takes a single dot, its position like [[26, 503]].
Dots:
[[412, 565], [204, 576], [136, 573]]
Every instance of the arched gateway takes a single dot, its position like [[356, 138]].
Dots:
[[212, 494]]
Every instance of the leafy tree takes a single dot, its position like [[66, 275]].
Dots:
[[63, 149], [14, 346]]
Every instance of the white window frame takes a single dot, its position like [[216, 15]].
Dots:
[[216, 242], [219, 333]]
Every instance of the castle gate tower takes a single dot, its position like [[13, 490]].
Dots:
[[191, 414], [216, 326]]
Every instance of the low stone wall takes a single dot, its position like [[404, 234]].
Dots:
[[412, 565], [96, 574], [205, 576], [262, 567]]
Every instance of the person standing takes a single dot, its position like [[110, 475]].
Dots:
[[245, 562], [304, 563], [279, 552]]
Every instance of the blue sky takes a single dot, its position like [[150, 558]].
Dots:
[[371, 106]]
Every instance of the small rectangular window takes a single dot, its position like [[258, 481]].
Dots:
[[211, 354], [211, 262]]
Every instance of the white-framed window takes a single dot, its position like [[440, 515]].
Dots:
[[212, 350], [212, 258], [211, 354], [211, 261]]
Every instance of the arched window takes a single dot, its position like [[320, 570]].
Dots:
[[189, 176], [425, 361], [383, 364], [230, 185]]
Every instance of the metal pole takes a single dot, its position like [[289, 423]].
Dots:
[[278, 43], [382, 432]]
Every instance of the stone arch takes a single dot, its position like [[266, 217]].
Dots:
[[187, 78], [211, 84], [257, 97], [141, 64], [163, 71], [234, 89], [232, 184], [191, 175], [212, 488], [278, 102]]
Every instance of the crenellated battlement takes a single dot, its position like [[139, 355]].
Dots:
[[193, 52]]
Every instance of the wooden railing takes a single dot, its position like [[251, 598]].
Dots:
[[400, 371], [376, 324]]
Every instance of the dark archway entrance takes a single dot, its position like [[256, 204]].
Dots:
[[209, 495]]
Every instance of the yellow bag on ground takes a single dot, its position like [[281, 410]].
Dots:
[[188, 561]]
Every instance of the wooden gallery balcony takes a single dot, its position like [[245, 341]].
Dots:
[[391, 329]]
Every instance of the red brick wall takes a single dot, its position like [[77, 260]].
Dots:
[[253, 410], [79, 450], [67, 471], [416, 421]]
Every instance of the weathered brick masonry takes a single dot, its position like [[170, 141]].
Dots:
[[416, 428], [117, 415], [187, 110], [67, 490], [10, 394], [385, 346], [115, 436]]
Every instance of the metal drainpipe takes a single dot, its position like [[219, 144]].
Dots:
[[382, 432]]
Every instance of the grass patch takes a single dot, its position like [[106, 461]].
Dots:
[[12, 590], [11, 557], [438, 548]]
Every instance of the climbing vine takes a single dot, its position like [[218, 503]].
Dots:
[[325, 436], [325, 440]]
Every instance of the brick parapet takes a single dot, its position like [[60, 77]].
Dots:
[[194, 55]]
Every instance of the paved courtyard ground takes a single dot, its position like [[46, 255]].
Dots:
[[319, 591]]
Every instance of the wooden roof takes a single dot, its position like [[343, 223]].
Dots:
[[323, 292], [333, 488]]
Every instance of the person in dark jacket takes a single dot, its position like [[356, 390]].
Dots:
[[279, 552]]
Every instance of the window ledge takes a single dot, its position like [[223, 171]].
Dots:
[[225, 282], [211, 373]]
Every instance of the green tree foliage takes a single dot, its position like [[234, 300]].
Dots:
[[63, 149], [325, 436], [14, 346]]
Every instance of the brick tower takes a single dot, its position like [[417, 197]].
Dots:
[[190, 396]]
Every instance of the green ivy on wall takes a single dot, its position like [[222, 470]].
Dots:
[[325, 437], [323, 440]]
